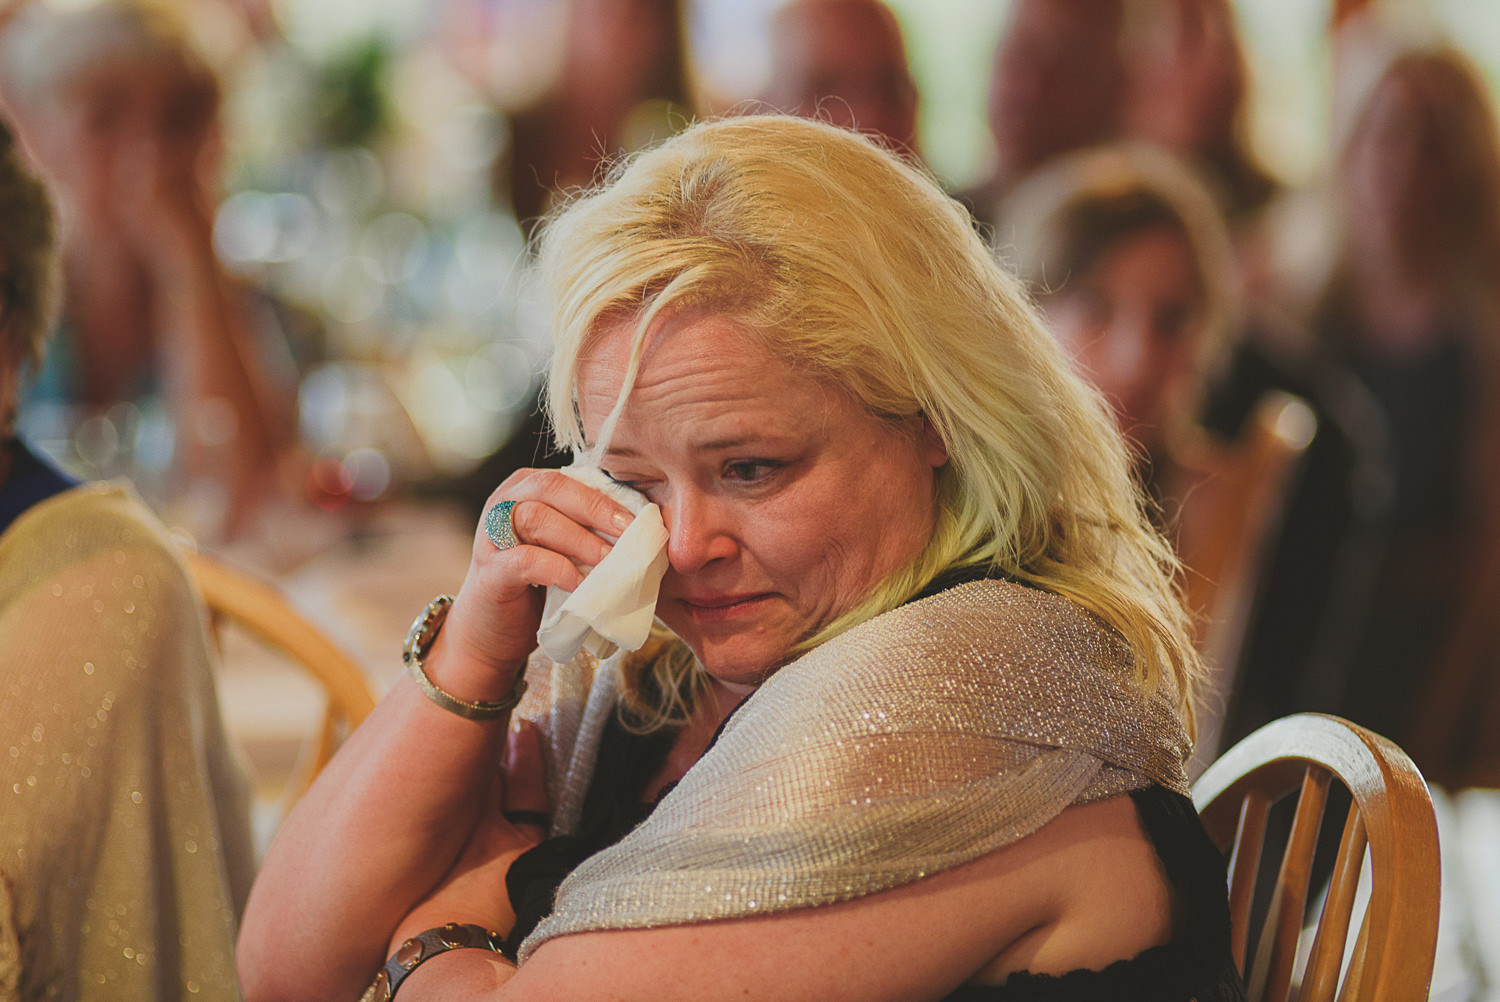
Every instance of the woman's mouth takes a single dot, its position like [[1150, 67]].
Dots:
[[717, 608]]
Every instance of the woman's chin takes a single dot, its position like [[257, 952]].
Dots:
[[743, 664]]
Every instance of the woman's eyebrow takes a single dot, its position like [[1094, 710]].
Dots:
[[711, 445]]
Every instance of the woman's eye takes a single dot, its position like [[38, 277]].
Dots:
[[749, 470], [623, 480]]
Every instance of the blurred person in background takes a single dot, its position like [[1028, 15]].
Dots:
[[1131, 261], [125, 852], [156, 369], [1187, 94], [843, 61], [622, 82], [1057, 84], [1412, 305]]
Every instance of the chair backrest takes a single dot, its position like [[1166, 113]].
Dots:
[[261, 610], [1227, 520], [1391, 814]]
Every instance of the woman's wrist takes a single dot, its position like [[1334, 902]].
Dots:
[[454, 903], [457, 974], [451, 660], [427, 947]]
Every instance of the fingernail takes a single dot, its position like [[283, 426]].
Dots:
[[623, 520]]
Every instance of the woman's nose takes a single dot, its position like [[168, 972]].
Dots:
[[698, 532]]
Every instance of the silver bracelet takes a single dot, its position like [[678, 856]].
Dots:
[[422, 948]]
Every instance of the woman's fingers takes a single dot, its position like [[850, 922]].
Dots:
[[557, 534], [585, 506], [524, 796], [537, 523]]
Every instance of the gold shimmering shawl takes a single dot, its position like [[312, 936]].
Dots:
[[923, 739], [125, 849]]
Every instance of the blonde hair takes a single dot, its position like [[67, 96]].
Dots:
[[853, 266]]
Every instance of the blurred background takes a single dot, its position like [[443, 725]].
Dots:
[[363, 141], [361, 185]]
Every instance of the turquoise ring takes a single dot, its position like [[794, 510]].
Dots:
[[497, 525]]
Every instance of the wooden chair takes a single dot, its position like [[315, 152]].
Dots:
[[1391, 814], [236, 597]]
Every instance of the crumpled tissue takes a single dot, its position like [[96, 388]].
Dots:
[[614, 606]]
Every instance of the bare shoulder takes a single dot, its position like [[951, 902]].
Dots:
[[1083, 891]]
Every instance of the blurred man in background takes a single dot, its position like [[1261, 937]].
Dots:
[[843, 61], [1057, 84]]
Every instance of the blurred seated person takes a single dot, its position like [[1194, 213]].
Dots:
[[621, 83], [921, 660], [843, 61], [1412, 305], [155, 369], [1131, 263], [125, 853], [1132, 268], [1057, 83], [1187, 94]]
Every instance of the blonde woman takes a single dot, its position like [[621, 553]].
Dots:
[[913, 725]]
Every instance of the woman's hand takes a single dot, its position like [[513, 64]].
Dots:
[[474, 889], [491, 629]]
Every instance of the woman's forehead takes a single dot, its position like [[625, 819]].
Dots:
[[676, 338], [689, 365]]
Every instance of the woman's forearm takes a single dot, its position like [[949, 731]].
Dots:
[[380, 828], [401, 806], [458, 974]]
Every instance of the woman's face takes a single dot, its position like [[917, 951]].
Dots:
[[103, 127], [1133, 326], [785, 501]]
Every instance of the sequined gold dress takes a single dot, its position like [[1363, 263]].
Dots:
[[125, 854]]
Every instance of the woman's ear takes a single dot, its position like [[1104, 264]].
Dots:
[[934, 449]]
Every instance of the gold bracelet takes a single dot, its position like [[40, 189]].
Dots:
[[419, 640]]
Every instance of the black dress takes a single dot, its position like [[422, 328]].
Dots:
[[1195, 965], [31, 480]]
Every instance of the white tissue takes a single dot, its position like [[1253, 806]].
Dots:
[[614, 606]]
